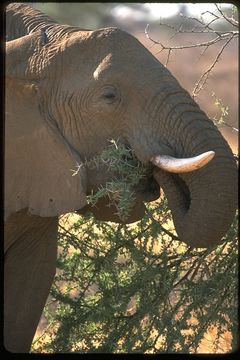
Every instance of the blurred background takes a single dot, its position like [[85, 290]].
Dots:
[[187, 65]]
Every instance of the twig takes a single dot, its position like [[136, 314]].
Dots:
[[203, 28], [204, 77], [230, 20]]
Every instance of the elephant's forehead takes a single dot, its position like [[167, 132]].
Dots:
[[114, 36], [100, 43], [104, 52]]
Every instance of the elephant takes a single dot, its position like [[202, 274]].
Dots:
[[68, 91]]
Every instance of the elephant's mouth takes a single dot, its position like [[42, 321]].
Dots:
[[147, 190], [158, 171]]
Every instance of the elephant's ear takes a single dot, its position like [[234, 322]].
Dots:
[[19, 53], [38, 163]]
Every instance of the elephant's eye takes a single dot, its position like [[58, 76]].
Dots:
[[109, 94], [109, 97]]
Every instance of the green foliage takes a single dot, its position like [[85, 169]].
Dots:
[[119, 160], [131, 288], [222, 117], [223, 110], [136, 288]]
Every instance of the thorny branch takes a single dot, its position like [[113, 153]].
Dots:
[[201, 26], [204, 77]]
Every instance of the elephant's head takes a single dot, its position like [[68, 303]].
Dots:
[[73, 91]]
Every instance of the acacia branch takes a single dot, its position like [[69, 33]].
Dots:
[[200, 27], [231, 20], [204, 77]]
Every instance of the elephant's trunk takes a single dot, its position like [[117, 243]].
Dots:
[[202, 208], [203, 202]]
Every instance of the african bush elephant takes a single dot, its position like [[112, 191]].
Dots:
[[68, 91]]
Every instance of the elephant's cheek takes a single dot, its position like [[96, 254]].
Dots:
[[103, 211]]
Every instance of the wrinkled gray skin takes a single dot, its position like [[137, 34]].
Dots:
[[68, 91]]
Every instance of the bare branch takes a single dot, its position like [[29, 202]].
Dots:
[[204, 77], [200, 27], [231, 20]]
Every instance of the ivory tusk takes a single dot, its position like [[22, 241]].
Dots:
[[174, 165]]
